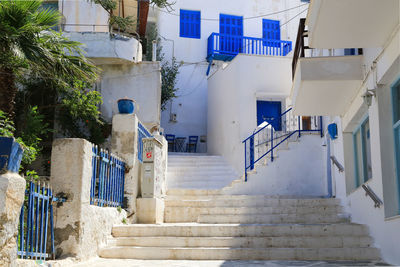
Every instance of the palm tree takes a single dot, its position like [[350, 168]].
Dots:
[[28, 47]]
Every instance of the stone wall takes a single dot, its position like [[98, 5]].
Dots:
[[80, 228], [12, 191], [124, 144]]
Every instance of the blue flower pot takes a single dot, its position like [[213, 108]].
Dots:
[[10, 155], [126, 106]]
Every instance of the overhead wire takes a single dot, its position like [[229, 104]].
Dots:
[[246, 18]]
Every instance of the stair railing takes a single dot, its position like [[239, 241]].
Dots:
[[262, 143]]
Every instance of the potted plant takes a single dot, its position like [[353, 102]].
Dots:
[[126, 106], [10, 154]]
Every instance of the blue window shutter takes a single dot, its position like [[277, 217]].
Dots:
[[190, 24], [271, 29], [231, 27]]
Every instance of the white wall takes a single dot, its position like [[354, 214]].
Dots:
[[383, 222], [90, 16], [141, 82], [297, 170], [233, 92], [191, 105]]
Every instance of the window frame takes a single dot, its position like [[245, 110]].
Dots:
[[396, 133], [360, 180], [185, 24]]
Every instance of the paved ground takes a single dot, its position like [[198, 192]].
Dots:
[[165, 263]]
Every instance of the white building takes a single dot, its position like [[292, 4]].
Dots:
[[118, 55], [187, 114], [360, 94]]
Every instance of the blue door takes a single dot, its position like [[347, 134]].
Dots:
[[231, 31], [270, 111]]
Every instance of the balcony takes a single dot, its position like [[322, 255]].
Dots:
[[351, 23], [323, 85], [226, 47], [106, 48]]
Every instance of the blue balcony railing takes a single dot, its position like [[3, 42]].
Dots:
[[226, 47]]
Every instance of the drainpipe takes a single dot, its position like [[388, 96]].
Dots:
[[154, 56], [327, 143]]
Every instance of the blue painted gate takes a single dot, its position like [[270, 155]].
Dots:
[[269, 111], [36, 228]]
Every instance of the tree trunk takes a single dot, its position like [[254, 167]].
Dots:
[[8, 90]]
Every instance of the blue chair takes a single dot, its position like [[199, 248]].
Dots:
[[171, 142], [191, 146]]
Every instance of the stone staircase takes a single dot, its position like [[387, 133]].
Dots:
[[194, 171], [203, 222]]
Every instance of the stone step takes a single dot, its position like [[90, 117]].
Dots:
[[240, 230], [193, 159], [192, 192], [191, 214], [244, 242], [273, 218], [218, 184], [221, 167], [251, 201], [198, 165], [204, 173], [211, 176], [228, 253], [200, 195]]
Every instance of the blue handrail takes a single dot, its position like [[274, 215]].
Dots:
[[142, 133], [292, 126], [265, 126], [226, 47]]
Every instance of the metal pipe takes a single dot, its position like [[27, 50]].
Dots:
[[154, 56]]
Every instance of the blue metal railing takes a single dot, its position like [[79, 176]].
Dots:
[[142, 133], [265, 140], [36, 223], [225, 47], [108, 178]]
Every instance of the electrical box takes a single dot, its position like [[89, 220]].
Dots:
[[151, 178]]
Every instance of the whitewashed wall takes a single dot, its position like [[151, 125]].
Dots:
[[233, 92], [141, 82], [83, 16], [191, 104], [383, 222]]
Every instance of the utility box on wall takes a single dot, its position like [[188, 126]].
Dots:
[[151, 178]]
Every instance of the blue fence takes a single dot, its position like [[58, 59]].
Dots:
[[108, 178], [225, 47], [142, 133], [36, 228], [264, 140]]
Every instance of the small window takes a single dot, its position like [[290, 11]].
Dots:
[[362, 153], [190, 24]]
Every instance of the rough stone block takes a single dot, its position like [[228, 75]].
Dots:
[[12, 190], [150, 210]]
